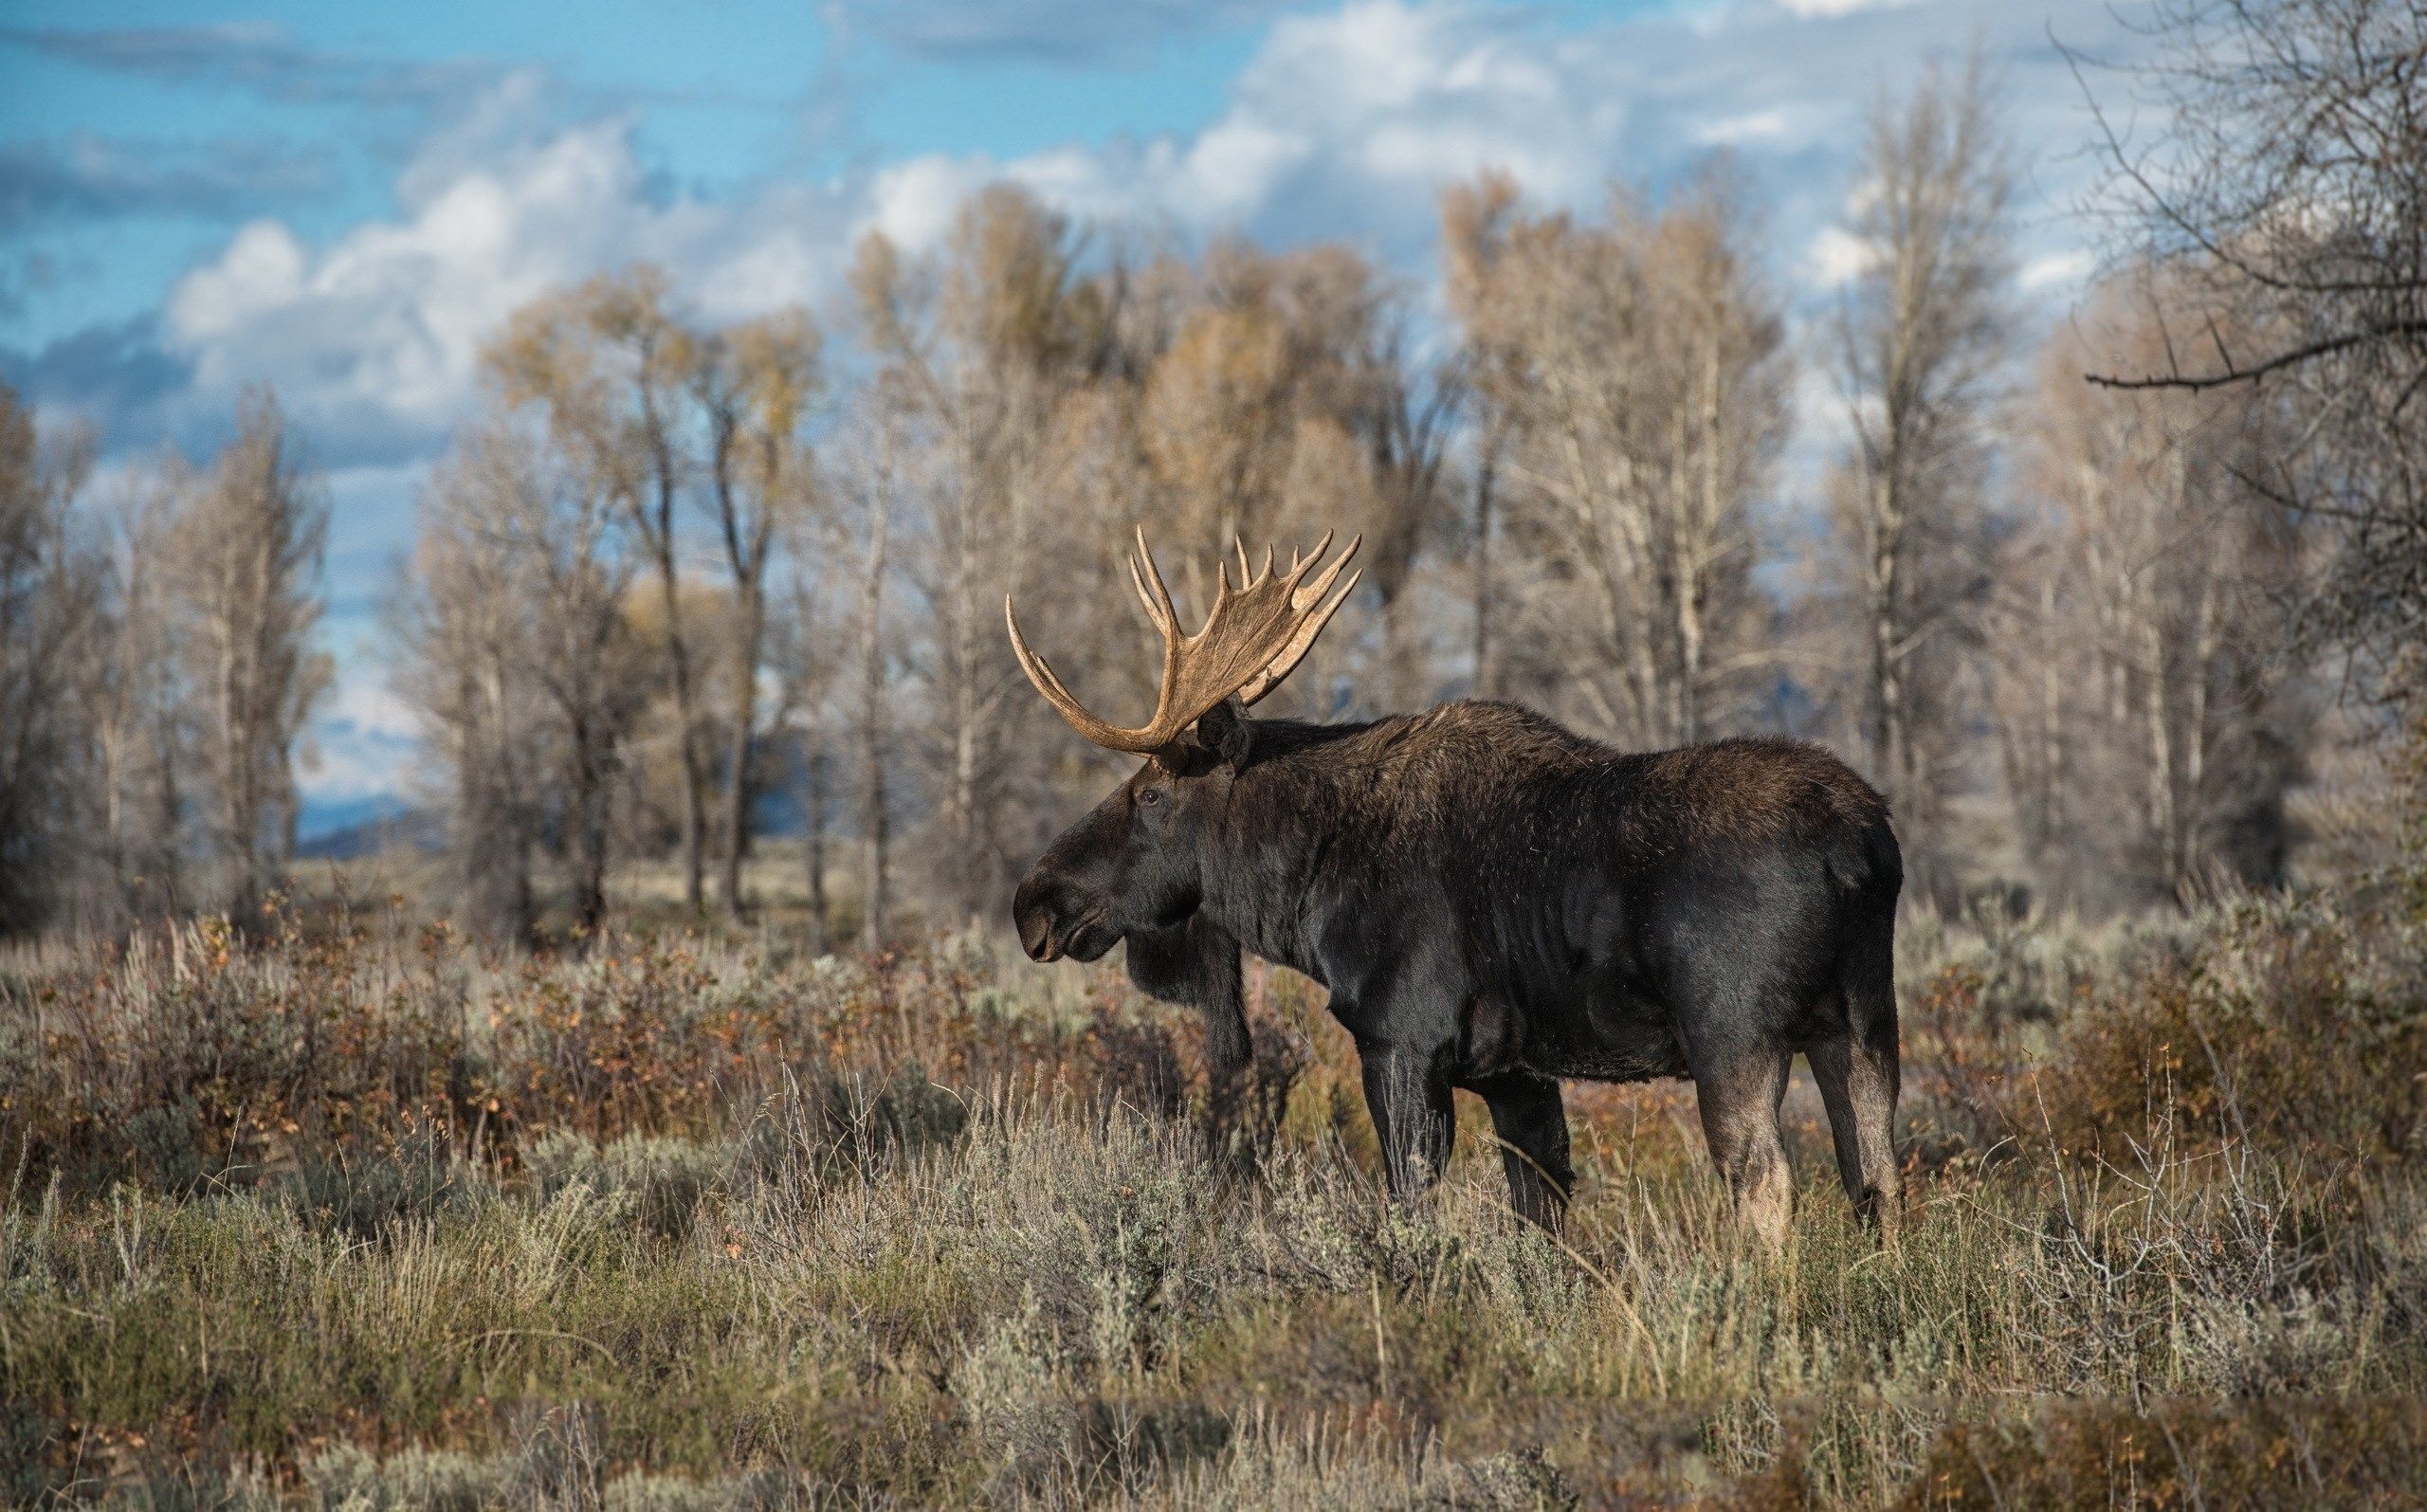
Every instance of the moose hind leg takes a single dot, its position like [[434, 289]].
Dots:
[[1858, 1086], [1414, 1120], [1857, 1071], [1532, 1124], [1738, 1095]]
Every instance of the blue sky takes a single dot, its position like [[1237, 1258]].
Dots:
[[344, 199]]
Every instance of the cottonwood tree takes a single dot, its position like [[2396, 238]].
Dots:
[[465, 661], [2284, 191], [809, 648], [1919, 335], [51, 589], [870, 464], [755, 383], [610, 368], [1279, 399], [247, 547], [1636, 367], [518, 650], [1217, 422], [979, 345], [2145, 710], [1402, 418], [142, 724], [1476, 222]]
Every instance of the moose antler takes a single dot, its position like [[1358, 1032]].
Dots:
[[1256, 634]]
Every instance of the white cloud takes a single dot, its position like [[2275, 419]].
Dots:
[[360, 740], [1345, 123], [1826, 10], [913, 203], [1836, 257], [2056, 269], [1753, 127], [368, 704], [259, 268], [373, 340]]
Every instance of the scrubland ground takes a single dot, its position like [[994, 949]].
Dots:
[[361, 1217]]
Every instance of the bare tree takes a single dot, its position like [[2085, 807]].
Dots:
[[871, 481], [247, 547], [980, 346], [1476, 220], [2285, 192], [1920, 333], [2145, 711], [808, 651], [871, 477], [466, 637], [1638, 372], [756, 383], [50, 599], [609, 364], [1404, 417], [143, 723], [518, 650]]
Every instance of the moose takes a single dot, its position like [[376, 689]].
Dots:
[[1492, 902]]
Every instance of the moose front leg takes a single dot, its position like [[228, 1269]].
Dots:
[[1408, 1094], [1532, 1125]]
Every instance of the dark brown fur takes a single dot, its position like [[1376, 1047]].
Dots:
[[1495, 902]]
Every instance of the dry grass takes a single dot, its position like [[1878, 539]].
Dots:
[[363, 1218]]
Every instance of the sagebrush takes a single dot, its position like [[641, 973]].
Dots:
[[365, 1217]]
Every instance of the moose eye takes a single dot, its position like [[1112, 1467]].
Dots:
[[1150, 797]]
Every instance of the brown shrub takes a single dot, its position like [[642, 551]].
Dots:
[[2294, 1025], [2212, 1455]]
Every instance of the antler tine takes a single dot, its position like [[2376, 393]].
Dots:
[[1299, 564], [1160, 605], [1306, 597], [1050, 683], [1255, 633], [1302, 640], [1154, 611]]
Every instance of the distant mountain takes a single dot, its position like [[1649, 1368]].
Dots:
[[342, 831]]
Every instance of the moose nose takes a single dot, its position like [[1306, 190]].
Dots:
[[1032, 915]]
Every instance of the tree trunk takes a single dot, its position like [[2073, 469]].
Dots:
[[874, 819], [695, 805], [1887, 739], [1486, 480], [814, 850], [589, 833], [741, 746], [660, 536]]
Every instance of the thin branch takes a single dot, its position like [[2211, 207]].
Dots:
[[2197, 382]]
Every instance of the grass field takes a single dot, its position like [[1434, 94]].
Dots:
[[363, 1218]]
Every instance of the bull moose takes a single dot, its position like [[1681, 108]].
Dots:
[[1493, 902]]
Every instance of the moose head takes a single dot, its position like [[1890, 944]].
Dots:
[[1134, 864]]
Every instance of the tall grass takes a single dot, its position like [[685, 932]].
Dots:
[[364, 1219]]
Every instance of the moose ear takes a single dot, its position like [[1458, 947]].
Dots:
[[1225, 733]]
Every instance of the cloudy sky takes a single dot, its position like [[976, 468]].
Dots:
[[345, 200]]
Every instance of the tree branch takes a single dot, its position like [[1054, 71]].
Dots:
[[2197, 382]]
